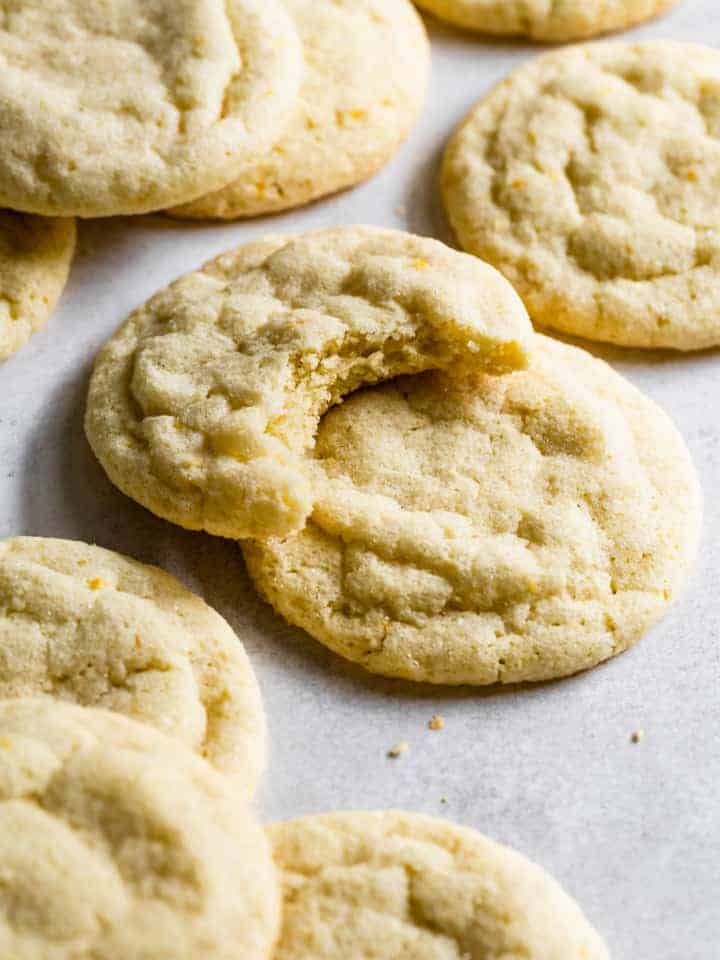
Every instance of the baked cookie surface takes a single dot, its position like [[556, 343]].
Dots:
[[202, 406], [512, 528], [547, 21], [590, 179], [93, 627], [135, 106], [367, 65], [35, 258], [120, 843], [391, 885]]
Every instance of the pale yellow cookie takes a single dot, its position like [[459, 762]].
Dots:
[[35, 258], [547, 21], [367, 64], [510, 528], [118, 108], [90, 626], [400, 886], [203, 405], [118, 843], [591, 179]]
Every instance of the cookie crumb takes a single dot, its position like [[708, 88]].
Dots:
[[399, 749], [444, 800], [400, 210], [437, 722], [637, 736]]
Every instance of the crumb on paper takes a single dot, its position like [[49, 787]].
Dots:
[[400, 210], [637, 736], [399, 749], [97, 583], [437, 722], [444, 800]]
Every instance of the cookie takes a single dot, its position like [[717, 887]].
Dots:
[[393, 885], [35, 258], [90, 626], [137, 106], [119, 843], [367, 64], [547, 21], [202, 406], [590, 178], [509, 528]]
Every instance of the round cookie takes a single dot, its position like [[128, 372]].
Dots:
[[35, 258], [546, 21], [132, 107], [90, 626], [118, 843], [591, 179], [393, 885], [510, 528], [202, 406], [367, 65]]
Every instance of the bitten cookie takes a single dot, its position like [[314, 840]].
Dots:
[[35, 258], [203, 405], [90, 626], [367, 64], [591, 179], [123, 108], [547, 21], [392, 885], [517, 527], [119, 843]]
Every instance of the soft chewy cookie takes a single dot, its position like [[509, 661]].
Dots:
[[591, 179], [118, 843], [548, 21], [35, 258], [517, 527], [88, 625], [128, 107], [367, 63], [202, 406], [392, 885]]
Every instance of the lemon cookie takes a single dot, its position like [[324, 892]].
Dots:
[[130, 107], [202, 406], [35, 258], [591, 178], [367, 63], [547, 21], [518, 527], [391, 885], [88, 625], [119, 843]]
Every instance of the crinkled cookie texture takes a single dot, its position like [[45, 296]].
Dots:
[[35, 258], [118, 843], [93, 627], [367, 65], [392, 885], [591, 179], [547, 21], [128, 107], [203, 405], [511, 528]]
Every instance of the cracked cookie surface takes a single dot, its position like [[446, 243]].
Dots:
[[124, 108], [591, 178], [367, 65], [203, 405], [93, 627], [35, 259], [512, 528], [391, 885], [547, 21], [119, 843]]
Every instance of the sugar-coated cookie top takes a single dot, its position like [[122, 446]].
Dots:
[[392, 885], [95, 628], [132, 106], [591, 178], [118, 843]]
